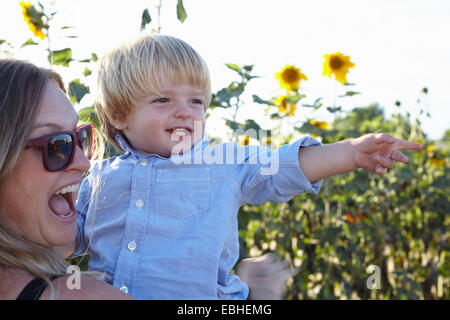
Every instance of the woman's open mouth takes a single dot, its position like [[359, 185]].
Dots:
[[62, 203]]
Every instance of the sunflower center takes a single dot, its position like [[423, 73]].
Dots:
[[336, 63], [289, 76]]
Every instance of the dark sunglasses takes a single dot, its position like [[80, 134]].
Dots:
[[58, 148]]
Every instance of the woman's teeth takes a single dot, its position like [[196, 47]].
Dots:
[[68, 215], [72, 188]]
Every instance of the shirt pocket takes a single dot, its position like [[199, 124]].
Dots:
[[182, 192]]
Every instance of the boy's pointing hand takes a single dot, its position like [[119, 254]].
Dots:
[[378, 151]]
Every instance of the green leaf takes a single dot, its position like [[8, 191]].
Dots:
[[233, 67], [77, 90], [261, 101], [307, 127], [350, 93], [60, 57], [216, 102], [316, 105], [87, 72], [234, 125], [224, 95], [146, 19], [295, 98], [89, 115], [251, 124], [334, 109], [181, 12], [93, 58], [275, 116], [28, 43]]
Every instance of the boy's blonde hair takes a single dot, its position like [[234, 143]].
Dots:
[[139, 68]]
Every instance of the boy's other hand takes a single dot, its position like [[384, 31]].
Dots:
[[378, 151], [265, 276]]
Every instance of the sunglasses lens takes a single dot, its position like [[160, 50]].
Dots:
[[59, 151], [86, 140]]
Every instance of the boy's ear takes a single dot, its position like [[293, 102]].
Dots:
[[119, 121]]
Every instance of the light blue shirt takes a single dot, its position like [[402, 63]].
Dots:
[[166, 228]]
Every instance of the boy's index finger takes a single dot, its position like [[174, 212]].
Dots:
[[408, 145]]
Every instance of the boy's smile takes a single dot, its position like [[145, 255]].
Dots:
[[167, 122]]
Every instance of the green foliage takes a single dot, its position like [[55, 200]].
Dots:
[[60, 57], [181, 12], [88, 115], [29, 42], [146, 19], [77, 90], [398, 222]]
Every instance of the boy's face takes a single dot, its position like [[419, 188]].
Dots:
[[166, 124]]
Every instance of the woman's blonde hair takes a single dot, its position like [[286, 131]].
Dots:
[[139, 68]]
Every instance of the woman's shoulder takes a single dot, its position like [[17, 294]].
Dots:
[[84, 288], [12, 283]]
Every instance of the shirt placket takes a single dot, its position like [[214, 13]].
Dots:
[[135, 227]]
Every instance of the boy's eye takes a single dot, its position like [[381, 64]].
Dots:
[[161, 100], [197, 101]]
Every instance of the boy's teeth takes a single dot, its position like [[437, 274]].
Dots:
[[180, 132]]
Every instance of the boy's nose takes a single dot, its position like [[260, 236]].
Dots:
[[182, 111]]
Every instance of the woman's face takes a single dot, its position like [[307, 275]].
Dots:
[[29, 207]]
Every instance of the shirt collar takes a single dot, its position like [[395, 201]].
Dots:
[[127, 148]]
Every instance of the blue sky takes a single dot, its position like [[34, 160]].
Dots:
[[398, 46]]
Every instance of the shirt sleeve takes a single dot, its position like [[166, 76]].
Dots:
[[235, 289], [82, 206], [277, 176]]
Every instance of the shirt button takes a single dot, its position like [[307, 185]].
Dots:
[[132, 245], [124, 289], [139, 203], [144, 162]]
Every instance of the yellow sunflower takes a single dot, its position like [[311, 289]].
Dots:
[[323, 125], [430, 148], [337, 64], [285, 106], [437, 162], [33, 18], [290, 78], [435, 157], [244, 140]]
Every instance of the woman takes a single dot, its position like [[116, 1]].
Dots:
[[42, 161], [35, 219]]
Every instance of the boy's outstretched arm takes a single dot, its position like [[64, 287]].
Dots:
[[374, 152]]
